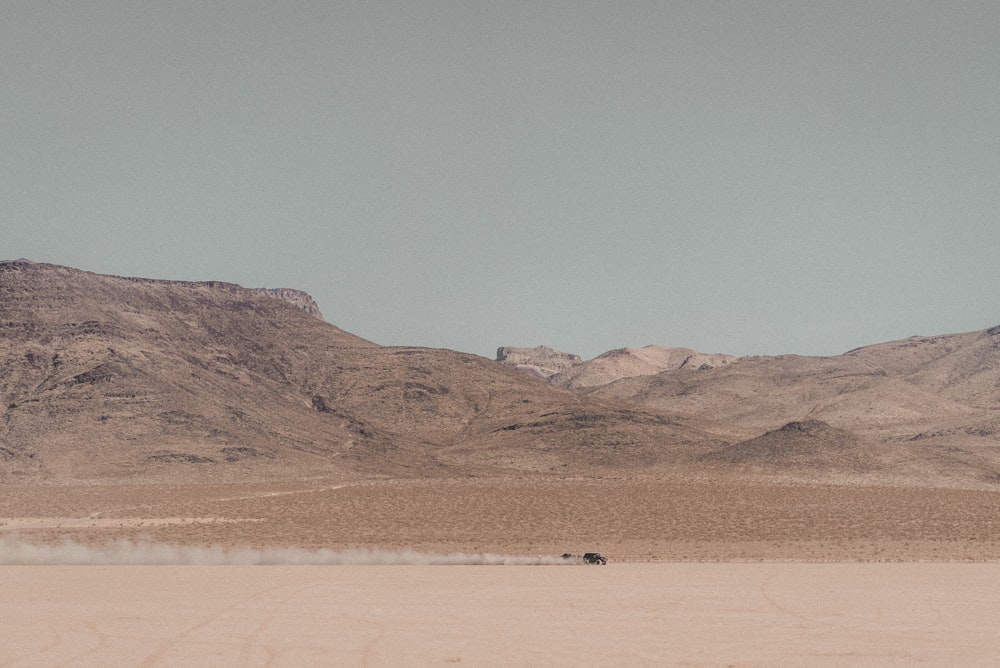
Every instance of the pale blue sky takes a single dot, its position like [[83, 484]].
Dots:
[[740, 177]]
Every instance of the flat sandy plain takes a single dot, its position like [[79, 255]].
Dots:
[[742, 614], [708, 571]]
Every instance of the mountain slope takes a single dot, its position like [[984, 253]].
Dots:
[[104, 376], [807, 444], [891, 391]]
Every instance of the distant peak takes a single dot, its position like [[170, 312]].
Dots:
[[511, 353], [540, 361]]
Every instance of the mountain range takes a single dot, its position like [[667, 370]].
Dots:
[[131, 379]]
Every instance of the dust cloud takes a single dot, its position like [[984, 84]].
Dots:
[[125, 552]]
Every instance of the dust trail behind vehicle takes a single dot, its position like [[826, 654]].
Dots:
[[14, 551]]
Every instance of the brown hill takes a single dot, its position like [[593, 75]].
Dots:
[[631, 362], [895, 391], [934, 400], [802, 445], [105, 377], [111, 377]]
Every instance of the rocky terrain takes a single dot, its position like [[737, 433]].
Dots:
[[569, 370], [105, 377], [113, 378], [297, 297], [631, 362], [924, 407], [541, 361], [205, 412]]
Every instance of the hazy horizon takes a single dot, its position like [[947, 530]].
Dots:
[[745, 178]]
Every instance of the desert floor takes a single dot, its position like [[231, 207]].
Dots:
[[761, 614], [702, 572], [628, 519]]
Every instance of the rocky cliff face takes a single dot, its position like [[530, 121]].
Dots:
[[297, 297], [541, 361]]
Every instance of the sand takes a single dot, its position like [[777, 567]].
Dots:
[[630, 520], [918, 581], [771, 614]]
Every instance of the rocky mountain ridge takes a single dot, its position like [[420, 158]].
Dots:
[[896, 387], [925, 402], [570, 371], [299, 298], [104, 377], [541, 361]]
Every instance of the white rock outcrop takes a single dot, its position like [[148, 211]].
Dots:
[[540, 361]]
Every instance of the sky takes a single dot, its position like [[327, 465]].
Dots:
[[751, 178]]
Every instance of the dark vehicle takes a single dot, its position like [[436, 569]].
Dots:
[[587, 558]]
